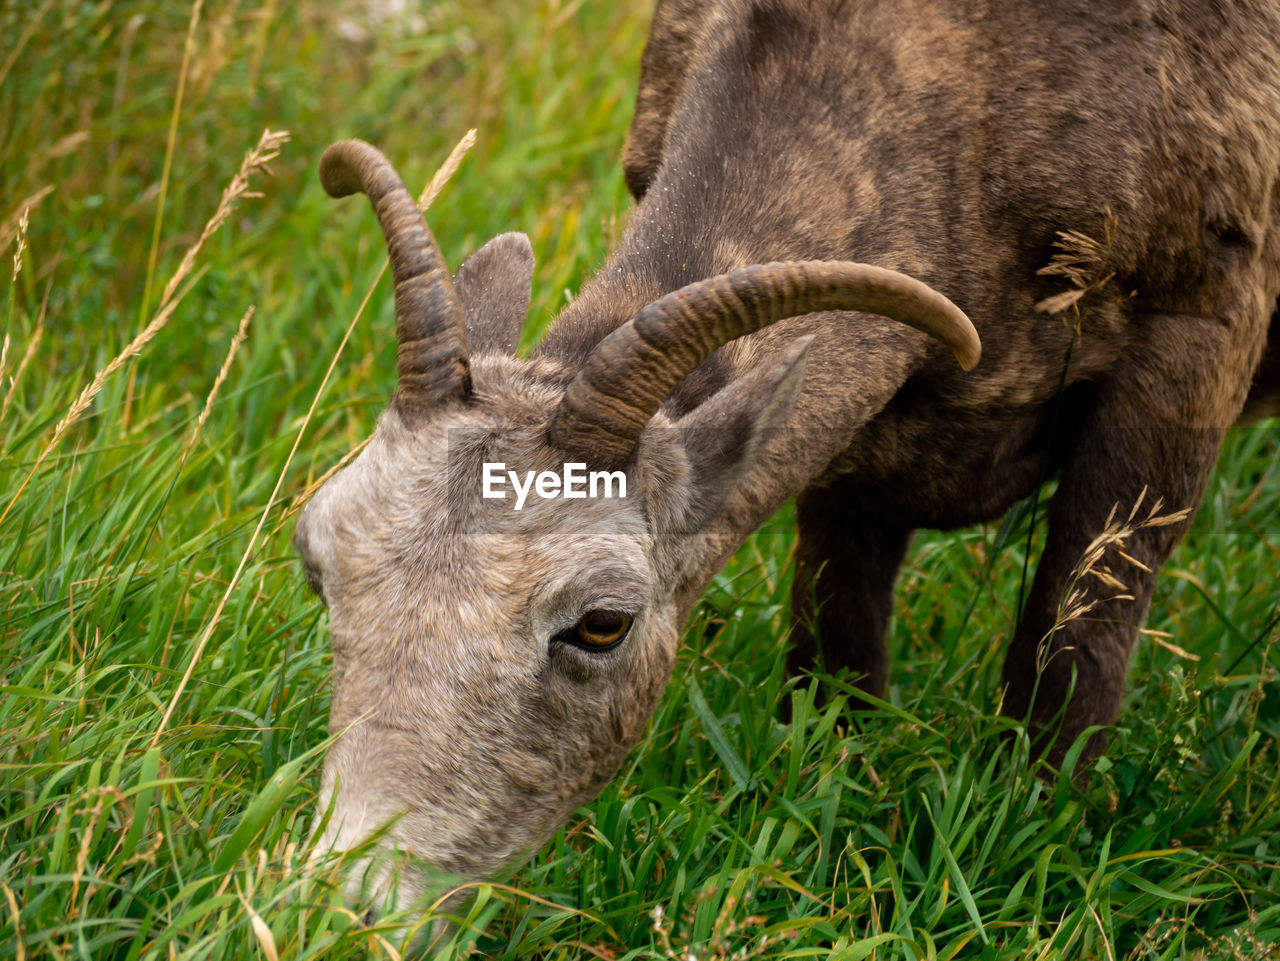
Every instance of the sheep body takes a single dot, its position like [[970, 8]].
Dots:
[[1093, 184]]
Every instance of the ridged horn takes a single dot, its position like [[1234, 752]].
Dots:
[[632, 371], [432, 363]]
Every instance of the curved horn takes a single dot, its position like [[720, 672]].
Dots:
[[431, 325], [631, 372]]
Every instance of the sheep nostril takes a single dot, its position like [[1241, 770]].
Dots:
[[370, 918]]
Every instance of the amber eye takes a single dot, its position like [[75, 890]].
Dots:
[[599, 630]]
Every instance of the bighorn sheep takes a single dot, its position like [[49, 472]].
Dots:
[[492, 667]]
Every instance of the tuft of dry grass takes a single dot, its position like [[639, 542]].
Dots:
[[447, 169], [255, 161], [1094, 564], [1083, 262], [727, 936], [21, 245]]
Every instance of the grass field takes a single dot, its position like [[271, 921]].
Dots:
[[163, 669]]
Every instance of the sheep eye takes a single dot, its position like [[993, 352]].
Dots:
[[598, 630]]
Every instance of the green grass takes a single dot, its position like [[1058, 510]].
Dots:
[[926, 833]]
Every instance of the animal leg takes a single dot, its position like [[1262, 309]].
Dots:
[[842, 596], [1156, 425], [1264, 395]]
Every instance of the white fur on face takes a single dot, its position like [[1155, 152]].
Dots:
[[459, 720]]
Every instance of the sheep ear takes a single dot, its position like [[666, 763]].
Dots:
[[723, 436], [494, 286]]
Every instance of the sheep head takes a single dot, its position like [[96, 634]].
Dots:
[[495, 657]]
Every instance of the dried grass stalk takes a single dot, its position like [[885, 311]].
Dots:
[[23, 221], [1115, 534], [447, 169], [170, 145], [27, 354], [1083, 262], [255, 161], [242, 332], [20, 951]]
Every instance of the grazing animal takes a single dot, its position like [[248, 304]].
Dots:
[[808, 175]]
